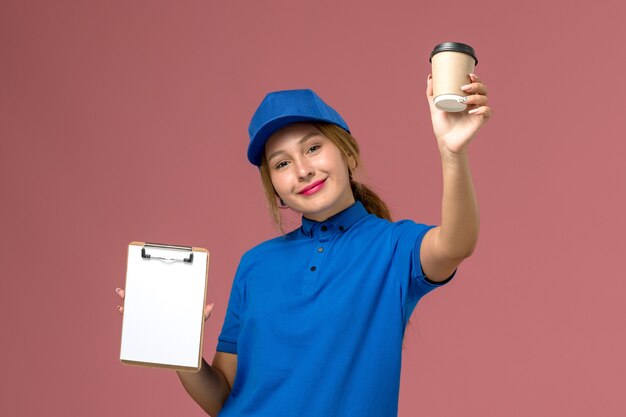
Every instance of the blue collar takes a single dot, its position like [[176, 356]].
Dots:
[[341, 221]]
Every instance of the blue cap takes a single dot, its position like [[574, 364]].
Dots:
[[281, 108]]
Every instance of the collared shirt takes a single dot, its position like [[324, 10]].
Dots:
[[317, 318]]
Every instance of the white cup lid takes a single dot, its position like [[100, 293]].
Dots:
[[449, 102]]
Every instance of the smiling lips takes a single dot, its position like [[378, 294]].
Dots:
[[313, 188]]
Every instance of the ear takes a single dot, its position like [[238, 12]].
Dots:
[[281, 203]]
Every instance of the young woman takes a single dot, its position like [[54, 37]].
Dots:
[[316, 317]]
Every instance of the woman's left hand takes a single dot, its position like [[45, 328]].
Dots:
[[454, 131]]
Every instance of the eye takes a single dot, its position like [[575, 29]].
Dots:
[[280, 165], [313, 148]]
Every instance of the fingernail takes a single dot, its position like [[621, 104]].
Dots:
[[473, 75], [466, 87], [473, 111]]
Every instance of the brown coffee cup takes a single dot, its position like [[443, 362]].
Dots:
[[452, 62]]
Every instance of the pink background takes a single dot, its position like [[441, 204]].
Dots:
[[127, 120]]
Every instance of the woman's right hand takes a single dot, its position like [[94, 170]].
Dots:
[[207, 309]]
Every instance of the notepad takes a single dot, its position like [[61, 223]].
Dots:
[[165, 296]]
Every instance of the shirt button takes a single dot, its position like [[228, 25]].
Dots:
[[341, 228], [313, 268], [320, 250], [324, 228]]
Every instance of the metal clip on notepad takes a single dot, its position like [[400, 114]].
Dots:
[[159, 248]]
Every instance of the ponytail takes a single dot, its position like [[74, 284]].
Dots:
[[370, 200]]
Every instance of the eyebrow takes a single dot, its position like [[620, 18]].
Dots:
[[304, 139]]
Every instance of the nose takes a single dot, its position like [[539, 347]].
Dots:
[[304, 169]]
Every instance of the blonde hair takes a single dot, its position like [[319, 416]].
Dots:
[[349, 149]]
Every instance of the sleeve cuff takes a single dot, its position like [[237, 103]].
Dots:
[[228, 347], [438, 283]]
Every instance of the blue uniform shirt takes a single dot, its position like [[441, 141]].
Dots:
[[317, 318]]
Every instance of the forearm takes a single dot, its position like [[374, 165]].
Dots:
[[459, 210], [208, 387]]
